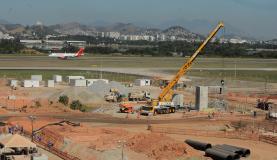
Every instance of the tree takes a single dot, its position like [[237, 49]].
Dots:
[[76, 105], [64, 100]]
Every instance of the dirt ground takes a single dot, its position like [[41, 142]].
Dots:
[[104, 141]]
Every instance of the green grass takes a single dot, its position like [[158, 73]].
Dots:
[[48, 74], [134, 62], [260, 76]]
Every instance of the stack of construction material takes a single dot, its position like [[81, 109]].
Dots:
[[102, 88], [219, 152]]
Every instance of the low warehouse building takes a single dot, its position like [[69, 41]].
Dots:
[[13, 83], [69, 78], [36, 77], [50, 83], [30, 83], [143, 82], [57, 78], [91, 81], [78, 82]]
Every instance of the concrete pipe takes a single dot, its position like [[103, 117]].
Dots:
[[217, 155], [222, 149], [243, 151], [198, 145]]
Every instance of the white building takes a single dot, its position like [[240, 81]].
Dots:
[[57, 78], [69, 78], [13, 83], [115, 35], [91, 81], [143, 82], [5, 36], [78, 82], [30, 83], [50, 83], [235, 41]]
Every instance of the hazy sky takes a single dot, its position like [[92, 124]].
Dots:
[[257, 17]]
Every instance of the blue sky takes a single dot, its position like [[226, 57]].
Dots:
[[257, 17]]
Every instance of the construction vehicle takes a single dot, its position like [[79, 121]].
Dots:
[[126, 108], [139, 96], [113, 96], [157, 105], [264, 104]]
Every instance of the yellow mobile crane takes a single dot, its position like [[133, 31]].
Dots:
[[163, 104]]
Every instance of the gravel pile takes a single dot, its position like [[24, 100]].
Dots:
[[101, 88]]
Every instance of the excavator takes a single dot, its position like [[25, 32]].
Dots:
[[163, 104]]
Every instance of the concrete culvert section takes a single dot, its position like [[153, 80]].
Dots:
[[243, 151], [218, 155], [221, 149], [198, 145]]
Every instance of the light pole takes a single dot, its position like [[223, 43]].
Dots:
[[122, 144], [32, 118]]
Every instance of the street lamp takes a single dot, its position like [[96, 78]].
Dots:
[[32, 118], [122, 144]]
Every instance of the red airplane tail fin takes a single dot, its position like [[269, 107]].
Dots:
[[80, 52]]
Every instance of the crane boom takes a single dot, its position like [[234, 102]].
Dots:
[[188, 64]]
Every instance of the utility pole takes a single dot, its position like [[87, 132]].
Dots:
[[32, 118]]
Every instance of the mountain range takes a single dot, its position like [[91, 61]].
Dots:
[[193, 29]]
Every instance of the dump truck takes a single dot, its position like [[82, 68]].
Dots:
[[113, 96]]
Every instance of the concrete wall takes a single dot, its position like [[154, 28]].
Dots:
[[178, 100], [201, 98]]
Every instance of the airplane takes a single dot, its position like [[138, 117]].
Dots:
[[68, 55]]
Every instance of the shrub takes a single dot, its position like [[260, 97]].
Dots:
[[64, 100]]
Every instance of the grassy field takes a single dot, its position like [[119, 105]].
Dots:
[[48, 74], [167, 64], [260, 76], [134, 62]]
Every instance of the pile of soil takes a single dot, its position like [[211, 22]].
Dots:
[[157, 146]]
